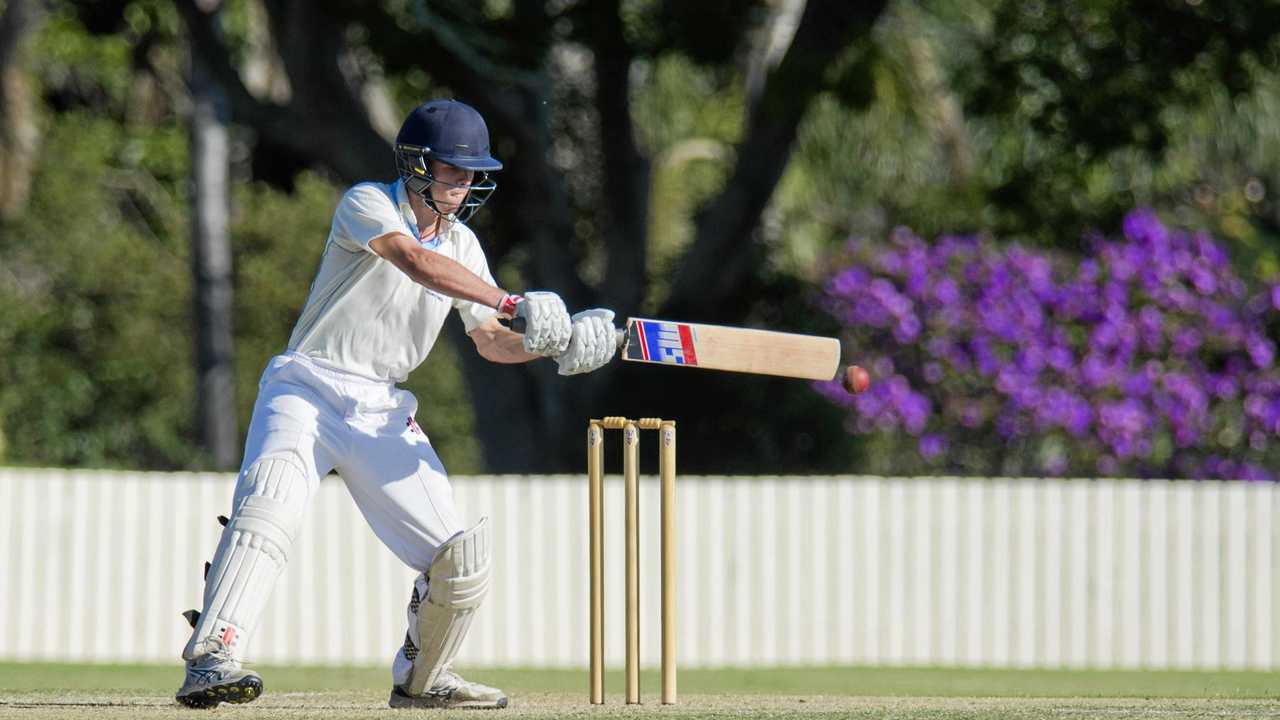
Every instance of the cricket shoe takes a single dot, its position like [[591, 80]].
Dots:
[[450, 691], [216, 678]]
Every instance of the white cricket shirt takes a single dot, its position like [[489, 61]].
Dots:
[[363, 314]]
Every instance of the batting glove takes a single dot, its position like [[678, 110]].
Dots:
[[594, 342], [547, 327]]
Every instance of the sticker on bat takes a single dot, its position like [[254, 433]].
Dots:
[[664, 342]]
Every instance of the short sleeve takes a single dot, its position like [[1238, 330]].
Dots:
[[471, 256], [364, 213]]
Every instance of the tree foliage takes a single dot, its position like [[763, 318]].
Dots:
[[1094, 85], [690, 160]]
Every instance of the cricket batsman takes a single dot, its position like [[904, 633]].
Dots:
[[398, 259]]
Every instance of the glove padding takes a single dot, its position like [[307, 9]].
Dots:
[[594, 342], [547, 326]]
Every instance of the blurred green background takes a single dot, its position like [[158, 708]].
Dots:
[[700, 161]]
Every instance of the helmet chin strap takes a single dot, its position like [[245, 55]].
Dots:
[[442, 219], [447, 217], [425, 196]]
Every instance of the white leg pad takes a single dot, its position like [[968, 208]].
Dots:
[[254, 548], [455, 585]]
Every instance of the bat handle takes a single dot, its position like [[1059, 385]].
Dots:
[[518, 324]]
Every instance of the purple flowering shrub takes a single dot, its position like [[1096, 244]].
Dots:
[[1147, 358]]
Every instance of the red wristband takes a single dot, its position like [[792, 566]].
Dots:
[[507, 306]]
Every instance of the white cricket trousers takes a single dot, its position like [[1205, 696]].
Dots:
[[308, 420]]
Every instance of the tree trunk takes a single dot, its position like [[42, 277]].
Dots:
[[19, 133], [626, 171], [211, 268], [938, 104], [725, 254]]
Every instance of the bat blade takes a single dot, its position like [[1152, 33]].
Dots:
[[733, 349]]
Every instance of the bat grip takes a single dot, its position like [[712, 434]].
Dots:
[[518, 324]]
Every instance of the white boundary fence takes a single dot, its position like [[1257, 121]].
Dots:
[[773, 571]]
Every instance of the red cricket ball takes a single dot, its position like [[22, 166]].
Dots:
[[856, 380]]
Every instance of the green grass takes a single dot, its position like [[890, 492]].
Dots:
[[855, 681], [40, 690]]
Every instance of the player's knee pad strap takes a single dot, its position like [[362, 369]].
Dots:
[[251, 553], [458, 580]]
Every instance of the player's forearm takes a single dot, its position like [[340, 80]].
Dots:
[[435, 271], [450, 277]]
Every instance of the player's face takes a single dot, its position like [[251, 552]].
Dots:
[[451, 186]]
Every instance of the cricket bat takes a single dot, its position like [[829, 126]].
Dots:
[[720, 347], [734, 349]]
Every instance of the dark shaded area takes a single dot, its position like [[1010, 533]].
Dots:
[[502, 67]]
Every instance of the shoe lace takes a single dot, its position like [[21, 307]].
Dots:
[[447, 681], [222, 656], [216, 657]]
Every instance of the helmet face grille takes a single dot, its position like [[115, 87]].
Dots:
[[414, 168]]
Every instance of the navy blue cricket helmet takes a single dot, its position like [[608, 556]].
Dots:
[[451, 132]]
